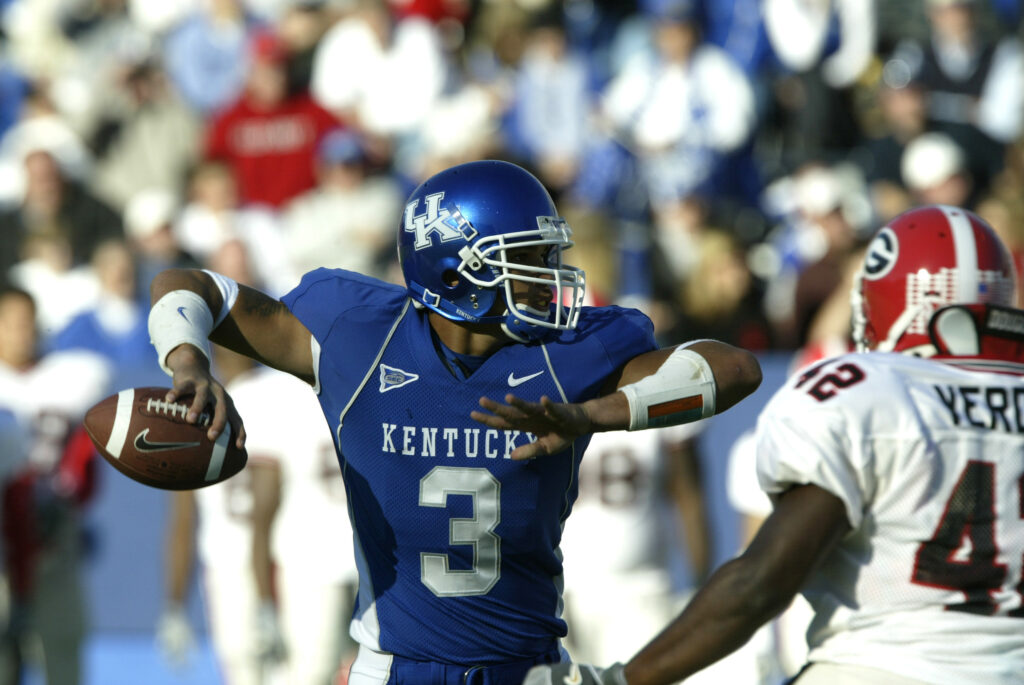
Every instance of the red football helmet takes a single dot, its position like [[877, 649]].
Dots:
[[923, 259]]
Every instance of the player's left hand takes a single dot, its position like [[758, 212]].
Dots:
[[556, 424], [575, 674]]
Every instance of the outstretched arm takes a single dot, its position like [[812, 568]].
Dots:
[[256, 326], [741, 596], [747, 592], [721, 377]]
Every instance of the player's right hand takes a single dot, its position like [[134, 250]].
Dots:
[[575, 674], [192, 376], [174, 637]]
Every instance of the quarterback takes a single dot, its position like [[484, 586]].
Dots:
[[897, 474], [455, 525]]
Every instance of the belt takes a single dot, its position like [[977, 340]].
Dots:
[[402, 671]]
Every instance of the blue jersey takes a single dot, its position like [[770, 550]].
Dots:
[[456, 543]]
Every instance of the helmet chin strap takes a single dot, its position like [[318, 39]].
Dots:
[[903, 322]]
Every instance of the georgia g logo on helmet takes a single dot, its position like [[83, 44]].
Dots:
[[881, 255]]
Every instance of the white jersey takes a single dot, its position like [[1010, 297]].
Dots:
[[224, 533], [928, 458], [617, 521], [52, 397], [284, 424]]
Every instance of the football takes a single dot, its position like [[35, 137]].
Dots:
[[147, 439]]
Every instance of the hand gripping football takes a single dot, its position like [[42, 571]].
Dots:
[[147, 439]]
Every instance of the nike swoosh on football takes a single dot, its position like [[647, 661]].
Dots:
[[513, 381], [144, 445]]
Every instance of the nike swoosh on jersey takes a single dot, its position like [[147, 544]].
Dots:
[[144, 445], [181, 310], [513, 381]]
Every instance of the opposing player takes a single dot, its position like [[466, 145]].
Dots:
[[632, 485], [456, 536], [211, 529], [50, 394], [897, 482], [302, 546]]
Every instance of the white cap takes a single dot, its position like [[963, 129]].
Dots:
[[148, 210], [817, 191], [930, 159]]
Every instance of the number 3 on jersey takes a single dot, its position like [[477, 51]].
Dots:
[[478, 531]]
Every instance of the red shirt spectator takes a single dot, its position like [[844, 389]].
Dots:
[[268, 137]]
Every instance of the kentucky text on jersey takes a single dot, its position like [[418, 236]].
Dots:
[[992, 407], [455, 442]]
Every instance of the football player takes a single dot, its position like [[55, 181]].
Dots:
[[302, 545], [455, 528], [618, 596], [897, 477], [36, 388], [214, 527]]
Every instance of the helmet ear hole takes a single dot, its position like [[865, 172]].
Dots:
[[450, 277]]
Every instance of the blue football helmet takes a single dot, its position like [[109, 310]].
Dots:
[[453, 243]]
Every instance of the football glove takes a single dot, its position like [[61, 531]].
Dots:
[[174, 637], [575, 674]]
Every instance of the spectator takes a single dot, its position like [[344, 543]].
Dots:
[[40, 128], [825, 46], [934, 168], [550, 106], [381, 76], [903, 114], [54, 205], [213, 217], [148, 137], [347, 221], [720, 298], [975, 85], [824, 208], [115, 327], [684, 112], [207, 54], [148, 219], [268, 137]]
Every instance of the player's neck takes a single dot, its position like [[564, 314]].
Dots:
[[463, 338]]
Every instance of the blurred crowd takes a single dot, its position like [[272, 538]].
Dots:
[[719, 160]]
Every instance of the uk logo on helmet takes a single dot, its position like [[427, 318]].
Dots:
[[436, 219]]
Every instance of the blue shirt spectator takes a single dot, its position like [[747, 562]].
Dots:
[[207, 58]]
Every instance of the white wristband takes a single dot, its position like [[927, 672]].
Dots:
[[681, 391], [228, 288], [180, 316]]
